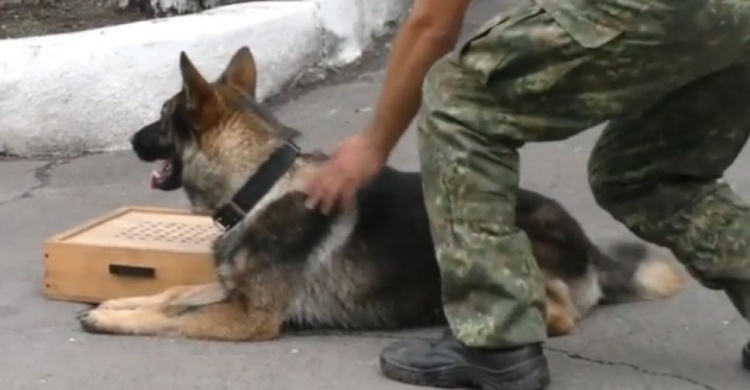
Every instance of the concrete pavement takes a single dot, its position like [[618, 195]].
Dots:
[[691, 342]]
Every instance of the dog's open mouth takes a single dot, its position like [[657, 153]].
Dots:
[[167, 176], [162, 174]]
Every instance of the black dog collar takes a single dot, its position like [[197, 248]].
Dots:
[[257, 186]]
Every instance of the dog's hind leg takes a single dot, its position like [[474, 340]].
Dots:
[[176, 297]]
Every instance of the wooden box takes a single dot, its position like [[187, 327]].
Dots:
[[131, 251]]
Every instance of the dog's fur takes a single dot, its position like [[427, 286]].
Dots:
[[370, 268]]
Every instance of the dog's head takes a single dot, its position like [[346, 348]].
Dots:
[[209, 133]]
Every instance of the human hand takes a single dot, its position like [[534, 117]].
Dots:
[[353, 162]]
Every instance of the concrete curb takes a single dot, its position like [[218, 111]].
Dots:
[[88, 91]]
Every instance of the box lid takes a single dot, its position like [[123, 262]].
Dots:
[[147, 229]]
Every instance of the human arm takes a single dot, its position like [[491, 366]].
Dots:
[[431, 30]]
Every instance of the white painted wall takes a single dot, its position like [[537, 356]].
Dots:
[[90, 90], [357, 22]]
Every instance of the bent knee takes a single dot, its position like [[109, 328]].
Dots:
[[604, 189], [610, 183]]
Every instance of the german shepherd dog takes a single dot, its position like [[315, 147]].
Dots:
[[280, 264]]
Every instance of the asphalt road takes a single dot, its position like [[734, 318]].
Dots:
[[691, 342]]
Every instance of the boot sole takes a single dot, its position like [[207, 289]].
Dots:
[[531, 375]]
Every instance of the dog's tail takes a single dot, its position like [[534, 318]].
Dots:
[[632, 271]]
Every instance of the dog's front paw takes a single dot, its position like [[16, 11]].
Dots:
[[90, 321]]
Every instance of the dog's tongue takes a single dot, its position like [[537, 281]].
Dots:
[[159, 175]]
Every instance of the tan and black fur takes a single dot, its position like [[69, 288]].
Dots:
[[370, 268]]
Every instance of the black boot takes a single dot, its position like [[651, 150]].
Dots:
[[746, 357], [447, 363]]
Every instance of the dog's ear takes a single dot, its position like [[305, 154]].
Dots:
[[197, 90], [202, 103], [241, 72]]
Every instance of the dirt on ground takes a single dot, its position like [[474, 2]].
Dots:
[[43, 17]]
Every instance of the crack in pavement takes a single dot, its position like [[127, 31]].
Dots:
[[42, 175], [570, 355], [634, 367]]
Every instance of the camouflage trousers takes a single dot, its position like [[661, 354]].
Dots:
[[671, 80]]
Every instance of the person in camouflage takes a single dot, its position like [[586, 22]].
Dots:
[[668, 76]]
